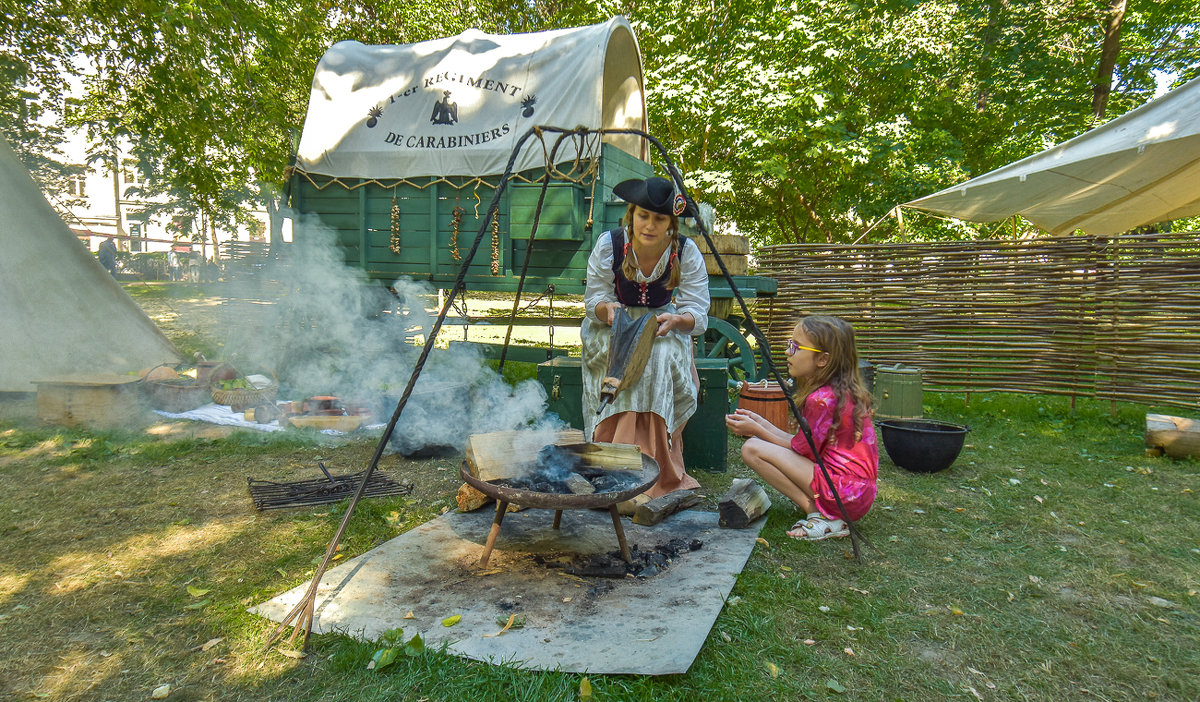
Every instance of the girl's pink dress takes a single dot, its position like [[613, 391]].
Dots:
[[853, 465]]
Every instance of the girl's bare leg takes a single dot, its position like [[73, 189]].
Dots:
[[784, 469]]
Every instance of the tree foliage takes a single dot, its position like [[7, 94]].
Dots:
[[800, 121]]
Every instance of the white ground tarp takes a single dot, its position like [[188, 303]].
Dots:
[[61, 313], [457, 106], [1141, 168]]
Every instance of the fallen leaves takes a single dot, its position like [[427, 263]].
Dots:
[[834, 686], [290, 653], [585, 689], [160, 692], [515, 621], [207, 644], [197, 592], [772, 669], [451, 620]]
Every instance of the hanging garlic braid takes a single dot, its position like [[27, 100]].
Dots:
[[630, 270]]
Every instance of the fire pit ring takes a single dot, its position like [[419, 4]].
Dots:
[[559, 502]]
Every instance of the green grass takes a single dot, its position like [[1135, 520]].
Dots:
[[1024, 572]]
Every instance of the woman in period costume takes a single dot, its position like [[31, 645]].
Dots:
[[647, 268]]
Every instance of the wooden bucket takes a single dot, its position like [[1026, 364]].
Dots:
[[767, 399]]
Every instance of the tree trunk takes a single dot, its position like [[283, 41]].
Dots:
[[116, 174], [1108, 59], [212, 228]]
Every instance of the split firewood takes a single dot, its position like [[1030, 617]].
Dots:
[[610, 456], [469, 499], [629, 507], [1178, 437], [579, 485], [745, 502], [506, 454], [660, 508]]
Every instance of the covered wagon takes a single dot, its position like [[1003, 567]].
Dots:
[[404, 145]]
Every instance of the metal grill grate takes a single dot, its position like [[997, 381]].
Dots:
[[268, 494]]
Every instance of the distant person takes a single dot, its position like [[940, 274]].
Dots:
[[195, 260], [835, 403], [107, 253], [173, 266]]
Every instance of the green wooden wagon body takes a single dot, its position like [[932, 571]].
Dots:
[[420, 242]]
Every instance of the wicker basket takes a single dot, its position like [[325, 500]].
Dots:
[[242, 399], [176, 396]]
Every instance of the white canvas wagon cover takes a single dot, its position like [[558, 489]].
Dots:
[[458, 106]]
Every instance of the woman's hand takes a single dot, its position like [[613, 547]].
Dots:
[[607, 312], [683, 322]]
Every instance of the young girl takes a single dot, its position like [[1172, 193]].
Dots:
[[823, 361]]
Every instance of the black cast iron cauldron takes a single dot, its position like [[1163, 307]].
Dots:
[[922, 445]]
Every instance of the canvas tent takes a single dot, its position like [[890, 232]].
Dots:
[[61, 313], [1141, 168], [458, 105]]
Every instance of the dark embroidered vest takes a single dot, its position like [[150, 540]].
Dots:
[[631, 294]]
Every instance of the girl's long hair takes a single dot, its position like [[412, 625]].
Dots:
[[627, 266], [835, 336]]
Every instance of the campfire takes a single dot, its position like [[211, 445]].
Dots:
[[558, 469], [566, 474]]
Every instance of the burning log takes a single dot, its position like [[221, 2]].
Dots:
[[745, 502], [579, 485], [660, 508]]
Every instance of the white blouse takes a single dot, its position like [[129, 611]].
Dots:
[[691, 295]]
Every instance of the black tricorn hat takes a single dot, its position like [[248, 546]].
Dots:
[[655, 194]]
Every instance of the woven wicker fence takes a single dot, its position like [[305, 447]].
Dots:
[[1113, 317]]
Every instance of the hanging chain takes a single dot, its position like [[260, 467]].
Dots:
[[394, 241], [458, 213], [496, 243]]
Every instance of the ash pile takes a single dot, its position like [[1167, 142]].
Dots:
[[643, 564]]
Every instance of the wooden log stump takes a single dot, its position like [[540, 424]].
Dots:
[[745, 502], [660, 508], [1177, 437]]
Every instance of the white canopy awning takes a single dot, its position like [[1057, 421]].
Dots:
[[1141, 168], [457, 106]]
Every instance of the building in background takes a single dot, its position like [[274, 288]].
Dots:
[[110, 210]]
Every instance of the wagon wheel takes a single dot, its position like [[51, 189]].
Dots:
[[724, 340]]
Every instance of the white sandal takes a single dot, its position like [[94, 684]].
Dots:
[[816, 527]]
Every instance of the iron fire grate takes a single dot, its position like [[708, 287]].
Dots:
[[268, 494]]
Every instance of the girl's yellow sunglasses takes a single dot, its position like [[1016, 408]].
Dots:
[[793, 347]]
